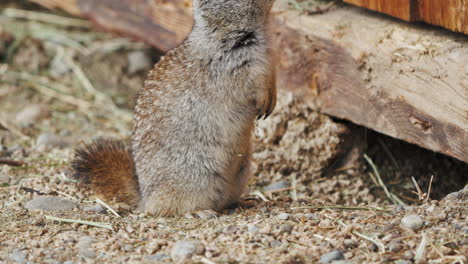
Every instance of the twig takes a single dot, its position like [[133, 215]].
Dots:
[[391, 196], [260, 195], [279, 190], [13, 163], [108, 207], [344, 208], [378, 243], [420, 255], [65, 220], [46, 18], [67, 195], [420, 192], [294, 186], [429, 190]]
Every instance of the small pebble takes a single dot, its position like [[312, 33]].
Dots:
[[403, 262], [50, 203], [50, 140], [95, 209], [311, 216], [284, 216], [331, 256], [350, 243], [83, 247], [395, 247], [138, 61], [32, 114], [373, 247], [277, 186], [128, 248], [286, 228], [408, 255], [18, 256], [4, 178], [275, 243], [157, 257], [252, 228], [185, 249], [464, 241], [412, 222], [343, 262]]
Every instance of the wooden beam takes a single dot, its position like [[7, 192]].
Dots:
[[403, 81], [451, 14], [397, 8]]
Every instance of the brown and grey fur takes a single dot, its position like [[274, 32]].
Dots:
[[195, 116]]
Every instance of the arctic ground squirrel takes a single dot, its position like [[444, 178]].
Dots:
[[194, 118]]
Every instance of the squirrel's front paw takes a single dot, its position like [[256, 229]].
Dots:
[[202, 214]]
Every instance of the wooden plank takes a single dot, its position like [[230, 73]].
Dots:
[[410, 82], [403, 81], [397, 8], [452, 14]]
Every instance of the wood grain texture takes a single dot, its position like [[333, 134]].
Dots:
[[403, 81], [397, 8], [451, 14], [406, 82]]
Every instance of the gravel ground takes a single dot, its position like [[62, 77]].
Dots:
[[313, 198]]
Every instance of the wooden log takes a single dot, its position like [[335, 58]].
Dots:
[[451, 14], [404, 81], [397, 8]]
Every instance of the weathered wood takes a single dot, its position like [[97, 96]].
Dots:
[[403, 81], [411, 82], [397, 8], [451, 14]]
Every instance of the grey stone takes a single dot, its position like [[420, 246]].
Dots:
[[157, 257], [32, 114], [83, 247], [95, 209], [395, 247], [277, 186], [312, 216], [413, 222], [286, 228], [4, 178], [138, 61], [50, 140], [284, 216], [58, 66], [185, 249], [343, 262], [51, 203], [18, 256], [275, 243], [403, 262], [331, 256], [252, 228]]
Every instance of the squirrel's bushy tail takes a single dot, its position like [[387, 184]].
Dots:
[[108, 167]]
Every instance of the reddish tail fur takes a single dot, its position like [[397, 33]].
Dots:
[[108, 167]]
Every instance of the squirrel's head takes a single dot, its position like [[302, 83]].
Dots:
[[227, 15]]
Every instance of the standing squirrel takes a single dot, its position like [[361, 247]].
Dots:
[[194, 119]]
